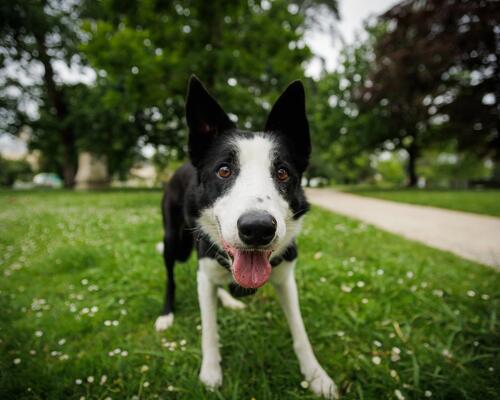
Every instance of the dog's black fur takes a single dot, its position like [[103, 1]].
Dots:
[[195, 186]]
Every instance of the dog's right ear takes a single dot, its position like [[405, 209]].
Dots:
[[205, 118]]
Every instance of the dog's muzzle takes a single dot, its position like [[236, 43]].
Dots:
[[256, 228]]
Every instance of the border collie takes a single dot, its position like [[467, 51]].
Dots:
[[240, 203]]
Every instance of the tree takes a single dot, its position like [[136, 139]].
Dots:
[[36, 34], [344, 135], [436, 75], [246, 52]]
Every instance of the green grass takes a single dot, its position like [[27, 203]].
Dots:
[[475, 201], [430, 317]]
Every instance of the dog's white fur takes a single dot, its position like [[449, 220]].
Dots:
[[210, 275]]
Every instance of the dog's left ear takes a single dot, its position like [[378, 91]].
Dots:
[[288, 116], [205, 119]]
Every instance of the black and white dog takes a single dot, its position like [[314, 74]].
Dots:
[[240, 203]]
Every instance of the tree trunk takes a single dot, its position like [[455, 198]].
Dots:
[[56, 98], [411, 167]]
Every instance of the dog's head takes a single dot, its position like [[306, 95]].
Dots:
[[249, 190]]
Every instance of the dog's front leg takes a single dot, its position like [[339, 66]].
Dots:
[[210, 373], [286, 288]]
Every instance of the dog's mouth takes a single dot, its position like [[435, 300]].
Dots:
[[251, 268]]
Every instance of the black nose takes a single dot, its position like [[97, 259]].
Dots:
[[256, 228]]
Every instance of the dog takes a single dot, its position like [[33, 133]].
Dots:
[[239, 201]]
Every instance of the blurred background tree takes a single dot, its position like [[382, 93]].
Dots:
[[34, 36], [417, 92]]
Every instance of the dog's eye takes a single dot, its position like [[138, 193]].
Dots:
[[224, 171], [282, 174]]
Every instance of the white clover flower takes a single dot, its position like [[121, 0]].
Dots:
[[107, 322], [94, 309], [144, 368], [90, 379], [399, 395], [145, 384], [84, 281], [38, 333], [360, 284], [447, 353], [103, 380], [409, 274], [61, 341], [124, 353], [364, 301], [485, 297], [377, 343], [78, 381], [471, 293], [17, 361], [170, 388], [380, 272], [304, 384], [183, 342], [428, 393], [345, 288], [322, 279], [376, 360], [116, 323]]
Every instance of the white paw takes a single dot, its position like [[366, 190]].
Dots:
[[164, 322], [229, 301], [322, 385], [233, 304], [211, 375]]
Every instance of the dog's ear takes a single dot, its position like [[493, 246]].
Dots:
[[288, 116], [205, 119]]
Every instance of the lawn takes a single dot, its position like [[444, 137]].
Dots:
[[82, 286], [475, 201]]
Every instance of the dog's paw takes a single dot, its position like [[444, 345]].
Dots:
[[163, 322], [211, 375], [322, 385], [232, 303], [229, 301]]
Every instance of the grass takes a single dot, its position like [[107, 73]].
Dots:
[[475, 201], [384, 314]]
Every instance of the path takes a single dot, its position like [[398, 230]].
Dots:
[[471, 236]]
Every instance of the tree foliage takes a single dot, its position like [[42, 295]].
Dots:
[[435, 75]]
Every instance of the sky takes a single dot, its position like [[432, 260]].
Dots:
[[352, 15], [323, 44]]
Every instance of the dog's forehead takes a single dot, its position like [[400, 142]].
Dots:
[[256, 149]]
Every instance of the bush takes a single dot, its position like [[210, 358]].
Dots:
[[12, 170]]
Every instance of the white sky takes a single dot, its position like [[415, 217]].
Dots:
[[323, 44], [352, 15]]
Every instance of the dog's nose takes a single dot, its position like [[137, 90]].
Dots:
[[256, 228]]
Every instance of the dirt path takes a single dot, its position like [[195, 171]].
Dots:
[[471, 236]]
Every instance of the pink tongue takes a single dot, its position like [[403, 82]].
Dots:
[[251, 269]]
